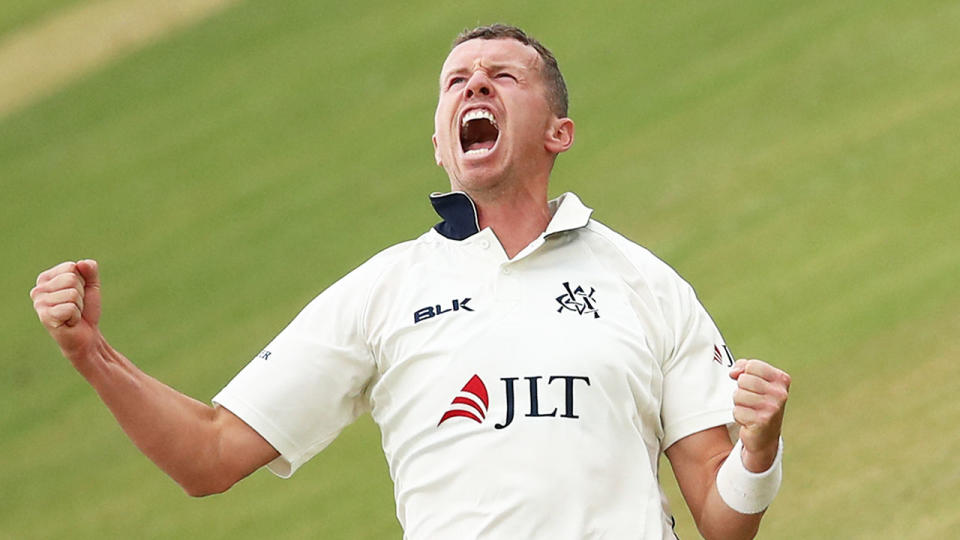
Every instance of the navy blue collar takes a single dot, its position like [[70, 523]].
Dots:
[[459, 215]]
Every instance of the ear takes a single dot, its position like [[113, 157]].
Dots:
[[436, 151], [560, 135]]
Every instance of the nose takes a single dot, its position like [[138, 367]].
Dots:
[[479, 83]]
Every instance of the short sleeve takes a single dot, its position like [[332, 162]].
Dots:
[[697, 389], [309, 382]]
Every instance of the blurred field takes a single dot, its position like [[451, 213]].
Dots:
[[42, 56], [796, 161]]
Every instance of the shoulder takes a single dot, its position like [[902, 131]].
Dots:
[[628, 257], [349, 296], [390, 260]]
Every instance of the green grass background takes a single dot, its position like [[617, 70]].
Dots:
[[796, 161]]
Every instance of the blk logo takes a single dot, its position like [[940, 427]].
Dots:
[[475, 402], [429, 312], [578, 300]]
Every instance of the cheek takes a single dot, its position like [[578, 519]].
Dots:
[[444, 139], [440, 116], [441, 125]]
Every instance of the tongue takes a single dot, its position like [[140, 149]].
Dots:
[[480, 145]]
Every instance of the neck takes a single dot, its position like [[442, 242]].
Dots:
[[517, 217]]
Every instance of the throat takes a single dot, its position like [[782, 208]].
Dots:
[[515, 225]]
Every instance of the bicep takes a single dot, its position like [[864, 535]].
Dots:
[[241, 450], [695, 460]]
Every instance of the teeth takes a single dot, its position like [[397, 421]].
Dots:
[[476, 114], [476, 151]]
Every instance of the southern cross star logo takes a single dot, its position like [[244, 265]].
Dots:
[[578, 300]]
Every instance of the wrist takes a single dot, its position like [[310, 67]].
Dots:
[[758, 461], [89, 359], [745, 491]]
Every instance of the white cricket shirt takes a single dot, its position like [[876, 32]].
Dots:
[[517, 398]]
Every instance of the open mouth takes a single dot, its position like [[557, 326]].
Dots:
[[478, 132]]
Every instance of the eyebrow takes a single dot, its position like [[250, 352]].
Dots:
[[492, 66]]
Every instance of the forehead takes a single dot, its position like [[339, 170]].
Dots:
[[491, 53]]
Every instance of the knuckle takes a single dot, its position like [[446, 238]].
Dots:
[[51, 273], [53, 324], [46, 318], [55, 282], [63, 281], [75, 280]]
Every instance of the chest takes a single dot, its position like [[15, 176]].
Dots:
[[554, 338]]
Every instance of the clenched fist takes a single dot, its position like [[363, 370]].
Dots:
[[759, 402], [67, 301]]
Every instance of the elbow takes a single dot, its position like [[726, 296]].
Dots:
[[198, 492], [203, 487]]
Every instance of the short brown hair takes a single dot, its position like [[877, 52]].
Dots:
[[556, 87]]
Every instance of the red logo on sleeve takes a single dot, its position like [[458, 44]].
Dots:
[[724, 357]]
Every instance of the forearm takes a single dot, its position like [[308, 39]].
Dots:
[[205, 449], [748, 480], [743, 486], [176, 432], [718, 521]]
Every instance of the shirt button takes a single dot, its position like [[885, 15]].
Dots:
[[505, 270], [485, 244]]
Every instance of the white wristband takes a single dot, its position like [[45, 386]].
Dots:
[[745, 491]]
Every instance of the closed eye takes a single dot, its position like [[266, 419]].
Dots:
[[505, 75], [454, 81]]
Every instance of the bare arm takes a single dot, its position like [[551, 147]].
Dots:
[[759, 404], [695, 461], [204, 449]]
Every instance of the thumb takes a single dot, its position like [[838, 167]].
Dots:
[[89, 269]]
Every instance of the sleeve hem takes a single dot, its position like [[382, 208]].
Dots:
[[693, 424], [290, 457]]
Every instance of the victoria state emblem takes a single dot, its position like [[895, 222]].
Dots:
[[578, 300]]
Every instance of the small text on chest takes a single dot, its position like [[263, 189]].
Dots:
[[429, 312]]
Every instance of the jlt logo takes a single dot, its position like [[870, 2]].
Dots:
[[476, 402]]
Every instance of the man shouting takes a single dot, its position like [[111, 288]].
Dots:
[[527, 365]]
